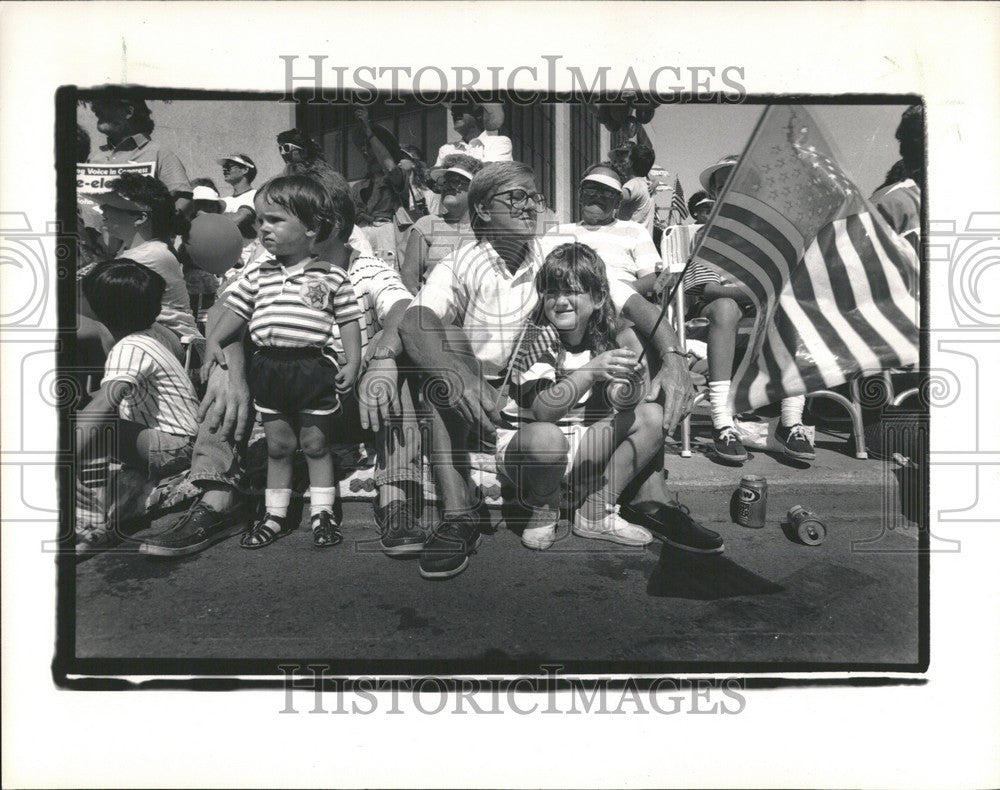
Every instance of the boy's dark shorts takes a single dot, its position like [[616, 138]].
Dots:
[[293, 381]]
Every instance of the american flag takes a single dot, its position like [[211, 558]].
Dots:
[[835, 289], [677, 201], [536, 341]]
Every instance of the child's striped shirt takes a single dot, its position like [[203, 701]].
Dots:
[[296, 306], [159, 393]]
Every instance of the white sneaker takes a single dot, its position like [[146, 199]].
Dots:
[[540, 531], [614, 528], [539, 538]]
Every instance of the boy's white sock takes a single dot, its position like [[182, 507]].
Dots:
[[718, 398], [791, 410], [321, 499], [276, 501]]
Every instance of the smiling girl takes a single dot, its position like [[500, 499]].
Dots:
[[566, 385]]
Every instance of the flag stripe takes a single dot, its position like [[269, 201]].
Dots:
[[885, 338], [835, 299], [888, 289]]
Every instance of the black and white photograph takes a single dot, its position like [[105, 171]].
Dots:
[[544, 387], [371, 366]]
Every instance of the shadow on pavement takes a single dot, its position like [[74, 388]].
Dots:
[[680, 574]]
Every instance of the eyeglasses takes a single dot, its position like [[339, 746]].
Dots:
[[520, 199], [231, 165], [590, 191], [453, 184], [287, 148]]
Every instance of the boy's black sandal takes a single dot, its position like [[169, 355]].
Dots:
[[325, 531], [261, 535]]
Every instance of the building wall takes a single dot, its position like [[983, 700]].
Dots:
[[199, 132]]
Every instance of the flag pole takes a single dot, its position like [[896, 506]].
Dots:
[[715, 210]]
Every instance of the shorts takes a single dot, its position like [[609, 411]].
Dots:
[[168, 454], [574, 437], [293, 381]]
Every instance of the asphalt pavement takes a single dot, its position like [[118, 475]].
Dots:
[[766, 599]]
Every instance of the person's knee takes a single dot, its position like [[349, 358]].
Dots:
[[649, 416], [724, 313], [314, 444], [542, 443], [280, 447]]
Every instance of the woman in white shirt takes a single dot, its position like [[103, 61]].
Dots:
[[139, 213]]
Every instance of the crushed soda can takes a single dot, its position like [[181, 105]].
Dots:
[[805, 527]]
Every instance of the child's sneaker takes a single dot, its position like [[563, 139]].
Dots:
[[614, 528], [795, 442], [728, 446]]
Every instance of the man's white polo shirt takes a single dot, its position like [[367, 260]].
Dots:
[[486, 148], [474, 289]]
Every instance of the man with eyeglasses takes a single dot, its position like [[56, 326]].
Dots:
[[461, 331]]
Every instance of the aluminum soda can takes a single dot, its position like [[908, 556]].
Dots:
[[749, 504], [805, 526]]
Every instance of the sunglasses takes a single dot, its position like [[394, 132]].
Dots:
[[287, 148], [588, 191]]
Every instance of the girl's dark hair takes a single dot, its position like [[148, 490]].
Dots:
[[311, 203], [204, 182], [577, 267], [153, 193], [124, 295]]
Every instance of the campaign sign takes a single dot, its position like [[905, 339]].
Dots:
[[92, 179]]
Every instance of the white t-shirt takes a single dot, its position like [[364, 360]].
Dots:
[[637, 205], [626, 247], [160, 394], [474, 289], [234, 202], [486, 148]]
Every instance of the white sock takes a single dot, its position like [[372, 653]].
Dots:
[[321, 499], [791, 410], [276, 501], [718, 398]]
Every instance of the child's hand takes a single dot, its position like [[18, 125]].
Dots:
[[618, 363], [214, 355], [346, 377]]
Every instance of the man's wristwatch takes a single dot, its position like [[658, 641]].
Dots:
[[384, 352]]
